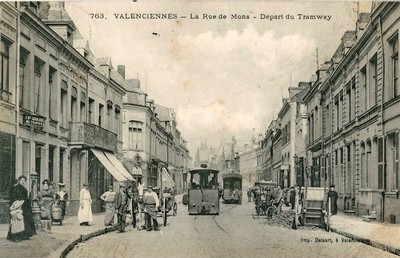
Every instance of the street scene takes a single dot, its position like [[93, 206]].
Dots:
[[232, 233], [180, 129]]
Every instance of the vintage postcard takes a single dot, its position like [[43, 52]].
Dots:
[[199, 128]]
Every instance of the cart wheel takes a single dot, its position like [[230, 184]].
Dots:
[[175, 210], [255, 213]]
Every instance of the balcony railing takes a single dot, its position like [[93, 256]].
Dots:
[[88, 135]]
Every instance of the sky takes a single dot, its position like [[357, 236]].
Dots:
[[222, 77]]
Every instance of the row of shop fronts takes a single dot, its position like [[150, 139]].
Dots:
[[61, 112]]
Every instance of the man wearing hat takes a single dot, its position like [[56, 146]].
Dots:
[[121, 207], [62, 198], [151, 202], [333, 195], [109, 199]]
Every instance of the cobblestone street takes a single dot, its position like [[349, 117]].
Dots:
[[233, 233]]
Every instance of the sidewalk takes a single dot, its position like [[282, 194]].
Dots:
[[55, 243], [61, 239], [384, 236]]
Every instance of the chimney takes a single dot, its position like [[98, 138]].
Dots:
[[121, 70], [348, 39], [362, 22]]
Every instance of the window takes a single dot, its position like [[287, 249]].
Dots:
[[393, 160], [5, 95], [74, 104], [312, 128], [51, 163], [341, 111], [101, 110], [38, 86], [83, 107], [63, 108], [52, 93], [381, 164], [327, 121], [362, 165], [363, 90], [61, 166], [316, 124], [394, 47], [24, 94], [348, 97], [110, 123], [368, 165], [91, 111], [337, 114], [117, 121], [373, 81], [5, 66], [135, 135]]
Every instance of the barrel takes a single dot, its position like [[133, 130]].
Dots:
[[56, 213]]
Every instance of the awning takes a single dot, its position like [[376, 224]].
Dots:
[[112, 164], [167, 179], [108, 165], [119, 166]]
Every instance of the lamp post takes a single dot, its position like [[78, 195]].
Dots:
[[35, 203]]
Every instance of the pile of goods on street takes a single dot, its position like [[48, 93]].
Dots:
[[285, 219]]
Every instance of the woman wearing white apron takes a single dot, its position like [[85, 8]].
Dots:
[[85, 209]]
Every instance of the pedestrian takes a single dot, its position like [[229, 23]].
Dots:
[[121, 207], [292, 197], [333, 195], [62, 198], [22, 225], [151, 203], [249, 195], [135, 206], [278, 196], [46, 200], [109, 197], [85, 215]]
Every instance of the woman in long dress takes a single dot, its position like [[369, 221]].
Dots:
[[21, 231], [46, 198], [109, 198], [85, 210]]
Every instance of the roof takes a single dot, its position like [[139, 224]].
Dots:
[[203, 170], [163, 113], [230, 175]]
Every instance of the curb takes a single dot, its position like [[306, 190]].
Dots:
[[63, 250], [369, 242]]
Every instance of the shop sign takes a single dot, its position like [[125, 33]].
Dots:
[[34, 121]]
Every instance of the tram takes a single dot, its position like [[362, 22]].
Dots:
[[203, 194], [232, 185]]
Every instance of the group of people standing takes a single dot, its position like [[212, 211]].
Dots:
[[128, 201], [22, 222]]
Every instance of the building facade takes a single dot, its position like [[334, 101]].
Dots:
[[151, 141]]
